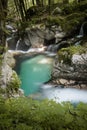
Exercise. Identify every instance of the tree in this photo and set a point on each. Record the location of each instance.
(38, 2)
(65, 1)
(3, 14)
(33, 2)
(20, 7)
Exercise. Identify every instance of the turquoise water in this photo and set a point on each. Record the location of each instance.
(35, 71)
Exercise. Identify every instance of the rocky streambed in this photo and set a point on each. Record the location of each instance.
(70, 70)
(70, 61)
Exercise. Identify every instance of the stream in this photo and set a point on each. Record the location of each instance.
(35, 71)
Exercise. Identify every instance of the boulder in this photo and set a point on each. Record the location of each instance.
(57, 10)
(36, 37)
(70, 70)
(18, 42)
(9, 81)
(49, 37)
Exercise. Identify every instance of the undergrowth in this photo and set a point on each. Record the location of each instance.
(27, 114)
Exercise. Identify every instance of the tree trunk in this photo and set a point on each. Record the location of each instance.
(44, 2)
(33, 2)
(3, 14)
(49, 3)
(38, 2)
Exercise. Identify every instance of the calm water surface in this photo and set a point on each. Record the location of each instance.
(35, 71)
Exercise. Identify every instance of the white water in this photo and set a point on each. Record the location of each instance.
(58, 94)
(17, 45)
(29, 51)
(81, 33)
(64, 94)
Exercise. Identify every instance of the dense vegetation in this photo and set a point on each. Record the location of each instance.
(24, 113)
(65, 54)
(27, 114)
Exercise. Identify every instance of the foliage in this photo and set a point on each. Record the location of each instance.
(73, 21)
(51, 20)
(73, 16)
(65, 54)
(72, 7)
(28, 114)
(14, 83)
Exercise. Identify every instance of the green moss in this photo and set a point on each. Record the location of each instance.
(72, 7)
(69, 8)
(72, 21)
(75, 49)
(52, 20)
(14, 83)
(2, 91)
(65, 54)
(75, 15)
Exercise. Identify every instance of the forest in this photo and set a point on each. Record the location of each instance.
(43, 64)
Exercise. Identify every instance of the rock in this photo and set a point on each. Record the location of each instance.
(9, 81)
(9, 59)
(59, 36)
(71, 75)
(36, 37)
(23, 44)
(49, 37)
(63, 81)
(11, 41)
(21, 92)
(57, 10)
(79, 59)
(83, 86)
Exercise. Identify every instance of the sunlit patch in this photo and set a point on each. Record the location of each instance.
(35, 69)
(45, 61)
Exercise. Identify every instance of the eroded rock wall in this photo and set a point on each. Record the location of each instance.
(9, 81)
(70, 71)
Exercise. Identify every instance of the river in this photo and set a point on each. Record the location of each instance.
(35, 71)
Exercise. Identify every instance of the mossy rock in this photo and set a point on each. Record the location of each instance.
(2, 91)
(65, 54)
(14, 83)
(73, 22)
(69, 8)
(75, 15)
(72, 7)
(52, 20)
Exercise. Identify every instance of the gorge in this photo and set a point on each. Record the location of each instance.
(43, 60)
(35, 73)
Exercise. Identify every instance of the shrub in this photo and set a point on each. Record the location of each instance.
(27, 114)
